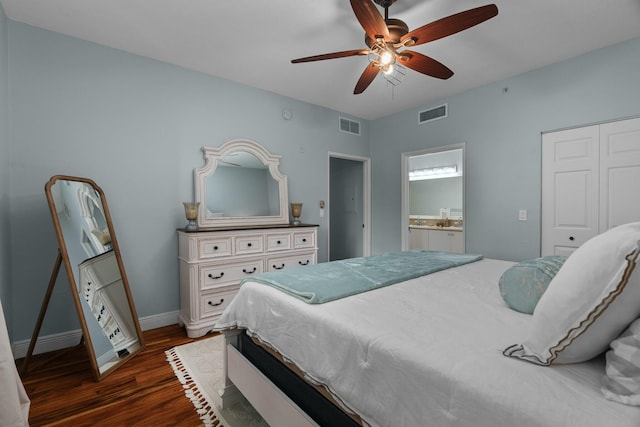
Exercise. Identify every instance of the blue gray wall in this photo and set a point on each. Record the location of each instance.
(5, 249)
(501, 124)
(136, 127)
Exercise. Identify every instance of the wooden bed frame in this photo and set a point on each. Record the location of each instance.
(276, 389)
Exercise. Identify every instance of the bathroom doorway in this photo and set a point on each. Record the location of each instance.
(433, 199)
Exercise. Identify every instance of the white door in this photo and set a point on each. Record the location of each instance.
(590, 181)
(569, 189)
(439, 241)
(418, 238)
(448, 241)
(457, 242)
(619, 173)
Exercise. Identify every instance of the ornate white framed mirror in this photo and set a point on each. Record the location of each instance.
(240, 184)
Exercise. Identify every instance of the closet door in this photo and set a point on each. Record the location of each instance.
(619, 173)
(569, 189)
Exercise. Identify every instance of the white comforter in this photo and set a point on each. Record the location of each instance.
(428, 352)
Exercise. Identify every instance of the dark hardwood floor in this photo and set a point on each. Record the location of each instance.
(142, 392)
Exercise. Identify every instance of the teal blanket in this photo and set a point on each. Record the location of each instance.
(316, 284)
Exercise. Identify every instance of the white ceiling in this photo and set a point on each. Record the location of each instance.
(253, 41)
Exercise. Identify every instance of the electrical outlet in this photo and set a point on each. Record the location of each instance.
(522, 215)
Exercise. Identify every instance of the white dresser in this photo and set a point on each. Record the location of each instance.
(213, 261)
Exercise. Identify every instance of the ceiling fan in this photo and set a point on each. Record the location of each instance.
(388, 39)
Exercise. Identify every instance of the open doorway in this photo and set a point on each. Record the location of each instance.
(433, 199)
(349, 206)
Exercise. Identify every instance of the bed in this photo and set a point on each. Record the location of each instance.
(428, 351)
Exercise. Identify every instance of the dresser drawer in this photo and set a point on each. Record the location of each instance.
(214, 303)
(215, 275)
(278, 242)
(299, 260)
(249, 245)
(215, 247)
(303, 240)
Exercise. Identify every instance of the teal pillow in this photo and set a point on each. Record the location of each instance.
(522, 285)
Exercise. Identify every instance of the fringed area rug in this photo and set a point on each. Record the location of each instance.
(198, 367)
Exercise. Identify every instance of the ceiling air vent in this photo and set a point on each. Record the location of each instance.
(436, 113)
(349, 126)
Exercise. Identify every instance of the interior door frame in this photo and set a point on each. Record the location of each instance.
(404, 157)
(366, 200)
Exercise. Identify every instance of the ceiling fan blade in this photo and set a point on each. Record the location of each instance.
(424, 64)
(366, 78)
(343, 54)
(451, 24)
(370, 19)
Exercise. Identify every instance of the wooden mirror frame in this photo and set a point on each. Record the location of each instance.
(212, 156)
(64, 255)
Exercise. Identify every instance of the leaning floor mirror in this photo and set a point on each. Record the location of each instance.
(91, 256)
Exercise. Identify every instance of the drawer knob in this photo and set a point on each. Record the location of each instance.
(303, 263)
(215, 248)
(278, 242)
(249, 244)
(214, 304)
(278, 268)
(304, 240)
(211, 276)
(245, 271)
(571, 238)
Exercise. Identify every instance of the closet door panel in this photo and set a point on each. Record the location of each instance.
(619, 173)
(569, 189)
(621, 203)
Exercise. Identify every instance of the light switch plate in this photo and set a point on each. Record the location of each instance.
(522, 215)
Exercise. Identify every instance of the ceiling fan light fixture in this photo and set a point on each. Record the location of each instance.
(383, 57)
(395, 74)
(386, 58)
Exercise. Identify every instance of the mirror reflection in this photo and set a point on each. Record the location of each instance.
(436, 185)
(95, 272)
(257, 194)
(240, 184)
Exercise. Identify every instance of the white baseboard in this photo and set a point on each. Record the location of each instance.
(48, 343)
(69, 339)
(159, 320)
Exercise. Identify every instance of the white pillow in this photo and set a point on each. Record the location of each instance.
(592, 299)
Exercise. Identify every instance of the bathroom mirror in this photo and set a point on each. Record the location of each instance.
(89, 250)
(240, 184)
